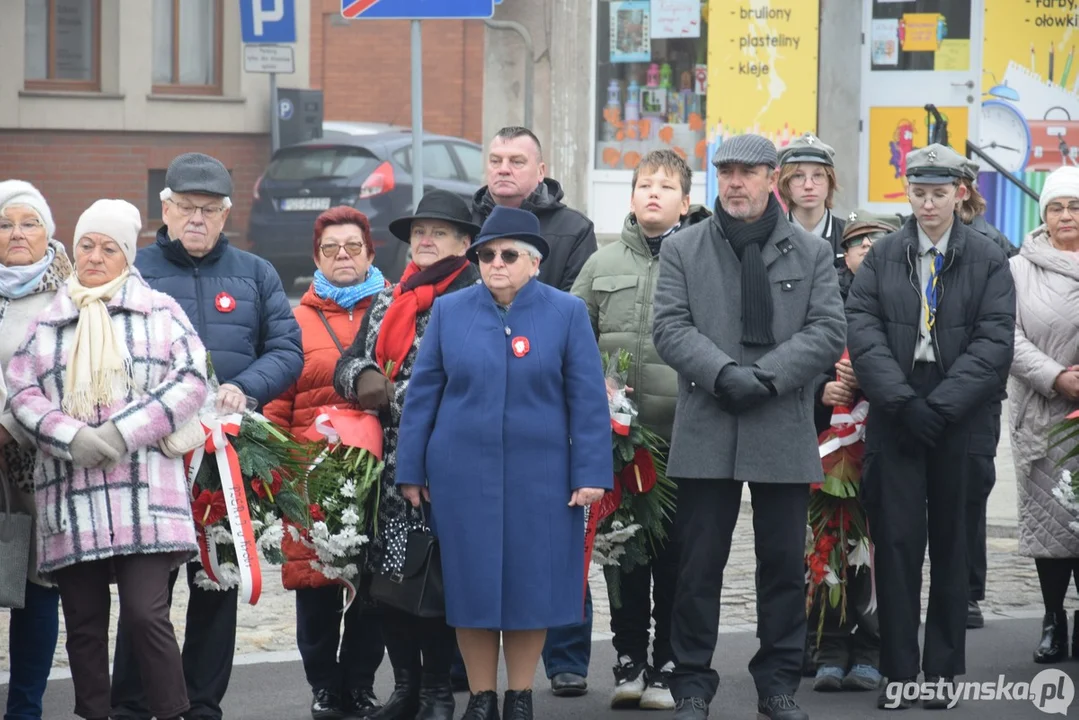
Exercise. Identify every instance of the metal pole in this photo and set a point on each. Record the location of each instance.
(530, 63)
(417, 114)
(275, 110)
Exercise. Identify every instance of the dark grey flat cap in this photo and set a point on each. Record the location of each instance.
(935, 164)
(746, 150)
(198, 173)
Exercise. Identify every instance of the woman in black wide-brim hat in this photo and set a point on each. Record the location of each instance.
(374, 374)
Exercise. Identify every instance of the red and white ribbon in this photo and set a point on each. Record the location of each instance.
(218, 429)
(620, 422)
(849, 426)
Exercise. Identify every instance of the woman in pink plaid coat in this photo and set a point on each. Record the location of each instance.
(109, 370)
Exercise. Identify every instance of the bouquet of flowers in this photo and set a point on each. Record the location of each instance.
(342, 492)
(1067, 488)
(627, 524)
(243, 484)
(837, 534)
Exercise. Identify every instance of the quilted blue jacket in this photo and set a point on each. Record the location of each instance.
(237, 305)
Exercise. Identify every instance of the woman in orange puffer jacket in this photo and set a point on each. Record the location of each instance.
(330, 314)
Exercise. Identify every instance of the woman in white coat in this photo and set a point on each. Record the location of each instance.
(1043, 389)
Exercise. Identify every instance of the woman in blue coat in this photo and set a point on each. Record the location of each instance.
(506, 432)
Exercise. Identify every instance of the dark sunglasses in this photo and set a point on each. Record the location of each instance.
(353, 249)
(488, 256)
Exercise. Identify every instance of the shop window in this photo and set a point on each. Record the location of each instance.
(62, 47)
(650, 81)
(187, 47)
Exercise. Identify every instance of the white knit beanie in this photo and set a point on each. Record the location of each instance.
(118, 219)
(1062, 182)
(20, 192)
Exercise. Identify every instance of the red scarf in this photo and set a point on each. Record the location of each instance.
(415, 293)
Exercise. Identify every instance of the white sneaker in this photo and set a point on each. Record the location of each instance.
(657, 695)
(629, 683)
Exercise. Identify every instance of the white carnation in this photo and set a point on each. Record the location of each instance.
(348, 489)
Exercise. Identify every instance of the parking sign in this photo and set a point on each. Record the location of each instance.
(268, 21)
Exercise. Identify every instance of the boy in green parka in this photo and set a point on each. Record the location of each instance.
(618, 283)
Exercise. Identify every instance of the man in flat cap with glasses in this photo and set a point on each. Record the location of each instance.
(748, 313)
(931, 332)
(239, 309)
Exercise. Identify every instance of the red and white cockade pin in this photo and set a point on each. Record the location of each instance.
(224, 302)
(520, 346)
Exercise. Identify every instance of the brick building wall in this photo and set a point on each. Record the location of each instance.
(363, 70)
(72, 169)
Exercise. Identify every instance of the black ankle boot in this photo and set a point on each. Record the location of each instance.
(482, 706)
(1053, 647)
(436, 698)
(404, 702)
(517, 705)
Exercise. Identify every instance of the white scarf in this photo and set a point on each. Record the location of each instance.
(99, 367)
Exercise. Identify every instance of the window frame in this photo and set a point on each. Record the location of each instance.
(49, 82)
(176, 87)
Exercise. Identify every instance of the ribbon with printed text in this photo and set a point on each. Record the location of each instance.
(218, 429)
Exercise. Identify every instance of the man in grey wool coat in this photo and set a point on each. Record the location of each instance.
(748, 312)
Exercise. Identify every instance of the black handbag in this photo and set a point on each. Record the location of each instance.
(417, 589)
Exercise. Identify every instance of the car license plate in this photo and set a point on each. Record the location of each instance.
(308, 203)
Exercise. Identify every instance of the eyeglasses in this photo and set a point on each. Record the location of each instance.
(487, 256)
(935, 200)
(353, 249)
(27, 228)
(814, 179)
(209, 212)
(1054, 209)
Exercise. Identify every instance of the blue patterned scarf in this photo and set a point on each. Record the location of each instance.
(347, 297)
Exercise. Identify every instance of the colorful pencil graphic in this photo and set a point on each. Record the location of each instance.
(1067, 68)
(1050, 63)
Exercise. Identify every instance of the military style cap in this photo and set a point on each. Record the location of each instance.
(198, 173)
(935, 164)
(971, 168)
(807, 148)
(862, 223)
(746, 150)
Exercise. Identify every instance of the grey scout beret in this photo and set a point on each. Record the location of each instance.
(807, 148)
(198, 173)
(746, 150)
(935, 164)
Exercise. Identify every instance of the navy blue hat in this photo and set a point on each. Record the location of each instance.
(505, 223)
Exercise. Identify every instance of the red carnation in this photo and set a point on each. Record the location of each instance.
(316, 513)
(639, 476)
(208, 508)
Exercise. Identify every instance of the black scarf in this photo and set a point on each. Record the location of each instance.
(747, 239)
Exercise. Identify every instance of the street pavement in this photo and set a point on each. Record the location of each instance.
(277, 691)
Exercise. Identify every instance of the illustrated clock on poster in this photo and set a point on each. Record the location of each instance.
(1004, 135)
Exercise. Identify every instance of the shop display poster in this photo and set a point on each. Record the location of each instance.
(676, 19)
(762, 68)
(894, 132)
(885, 38)
(630, 31)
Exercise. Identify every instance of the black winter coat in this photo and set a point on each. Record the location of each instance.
(570, 234)
(973, 336)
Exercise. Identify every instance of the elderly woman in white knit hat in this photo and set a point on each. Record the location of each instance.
(33, 266)
(1043, 388)
(110, 370)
